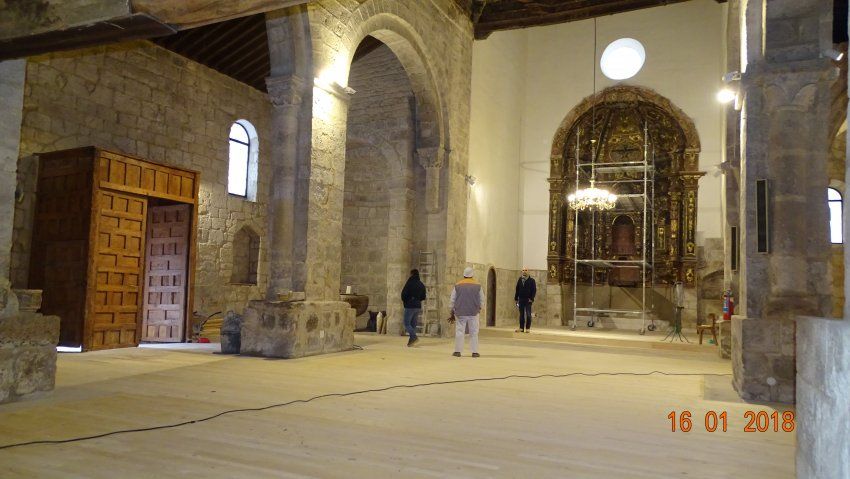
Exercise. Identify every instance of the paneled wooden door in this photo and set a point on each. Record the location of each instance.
(164, 304)
(119, 247)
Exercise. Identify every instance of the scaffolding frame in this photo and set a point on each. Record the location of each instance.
(625, 203)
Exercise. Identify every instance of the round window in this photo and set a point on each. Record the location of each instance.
(622, 59)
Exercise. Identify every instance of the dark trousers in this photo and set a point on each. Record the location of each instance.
(525, 315)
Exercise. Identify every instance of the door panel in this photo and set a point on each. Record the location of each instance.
(164, 310)
(117, 269)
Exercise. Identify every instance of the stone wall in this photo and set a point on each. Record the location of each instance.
(378, 240)
(823, 398)
(140, 99)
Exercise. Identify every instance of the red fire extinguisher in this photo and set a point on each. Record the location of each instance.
(728, 305)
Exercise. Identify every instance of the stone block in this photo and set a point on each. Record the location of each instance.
(296, 329)
(27, 354)
(29, 328)
(823, 407)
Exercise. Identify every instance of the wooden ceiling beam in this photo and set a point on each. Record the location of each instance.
(512, 15)
(195, 13)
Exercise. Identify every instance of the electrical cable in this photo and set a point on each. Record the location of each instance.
(340, 395)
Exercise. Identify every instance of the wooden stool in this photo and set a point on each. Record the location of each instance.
(702, 328)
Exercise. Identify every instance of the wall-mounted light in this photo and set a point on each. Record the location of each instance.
(470, 180)
(833, 54)
(731, 76)
(726, 95)
(333, 87)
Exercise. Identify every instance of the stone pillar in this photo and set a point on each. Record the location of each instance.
(784, 139)
(431, 158)
(27, 339)
(285, 94)
(320, 268)
(11, 103)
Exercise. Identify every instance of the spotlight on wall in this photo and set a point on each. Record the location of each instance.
(726, 95)
(833, 54)
(470, 180)
(731, 76)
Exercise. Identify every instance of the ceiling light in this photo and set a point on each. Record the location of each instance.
(622, 59)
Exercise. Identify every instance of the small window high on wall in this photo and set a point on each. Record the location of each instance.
(836, 226)
(243, 160)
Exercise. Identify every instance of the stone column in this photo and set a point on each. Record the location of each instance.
(11, 103)
(319, 205)
(27, 339)
(784, 139)
(285, 94)
(431, 158)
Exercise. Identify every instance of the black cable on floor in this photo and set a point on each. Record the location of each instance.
(339, 395)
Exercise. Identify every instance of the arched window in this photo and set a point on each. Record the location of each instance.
(836, 226)
(242, 168)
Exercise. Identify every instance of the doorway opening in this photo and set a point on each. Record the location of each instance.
(491, 297)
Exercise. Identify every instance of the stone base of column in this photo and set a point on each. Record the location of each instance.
(724, 335)
(763, 349)
(27, 354)
(823, 381)
(279, 329)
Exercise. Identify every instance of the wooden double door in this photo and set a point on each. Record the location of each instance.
(135, 272)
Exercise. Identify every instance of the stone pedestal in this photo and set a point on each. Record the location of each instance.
(724, 335)
(27, 354)
(823, 398)
(278, 329)
(763, 349)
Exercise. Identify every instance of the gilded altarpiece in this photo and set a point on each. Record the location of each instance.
(616, 124)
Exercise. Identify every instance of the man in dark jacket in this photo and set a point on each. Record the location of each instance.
(526, 290)
(412, 296)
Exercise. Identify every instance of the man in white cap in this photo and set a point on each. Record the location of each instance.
(467, 300)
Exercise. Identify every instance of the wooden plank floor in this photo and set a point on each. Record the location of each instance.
(577, 427)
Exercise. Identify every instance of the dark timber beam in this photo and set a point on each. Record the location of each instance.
(494, 15)
(32, 27)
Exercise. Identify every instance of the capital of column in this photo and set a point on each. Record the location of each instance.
(430, 157)
(285, 90)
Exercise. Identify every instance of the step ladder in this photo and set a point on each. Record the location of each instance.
(429, 321)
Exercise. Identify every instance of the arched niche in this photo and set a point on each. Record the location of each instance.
(246, 256)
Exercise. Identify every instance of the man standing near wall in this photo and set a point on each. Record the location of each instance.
(466, 302)
(412, 296)
(526, 290)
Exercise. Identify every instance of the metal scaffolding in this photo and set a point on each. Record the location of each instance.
(628, 202)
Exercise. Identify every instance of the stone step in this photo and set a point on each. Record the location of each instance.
(622, 322)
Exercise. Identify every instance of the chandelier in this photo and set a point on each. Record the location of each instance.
(592, 198)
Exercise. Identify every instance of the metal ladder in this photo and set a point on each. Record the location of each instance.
(429, 323)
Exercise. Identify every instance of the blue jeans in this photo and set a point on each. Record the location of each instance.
(524, 314)
(410, 315)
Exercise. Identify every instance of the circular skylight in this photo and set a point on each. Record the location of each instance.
(622, 59)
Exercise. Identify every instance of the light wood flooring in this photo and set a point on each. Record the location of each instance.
(608, 427)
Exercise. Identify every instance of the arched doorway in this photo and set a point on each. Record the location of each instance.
(491, 297)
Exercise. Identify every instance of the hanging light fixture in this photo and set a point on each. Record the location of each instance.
(592, 198)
